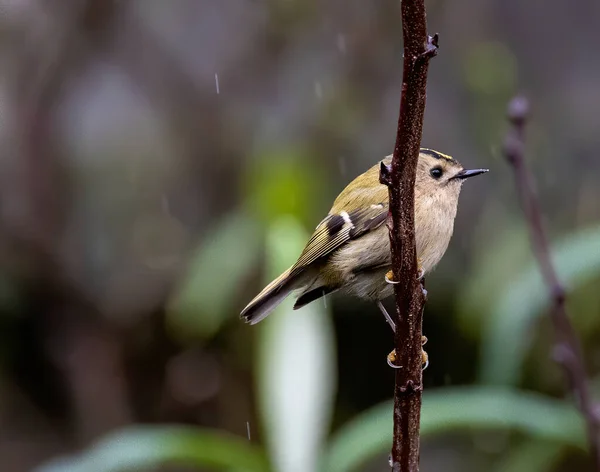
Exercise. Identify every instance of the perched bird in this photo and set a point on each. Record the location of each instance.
(350, 248)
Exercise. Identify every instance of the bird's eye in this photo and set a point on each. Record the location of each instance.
(436, 172)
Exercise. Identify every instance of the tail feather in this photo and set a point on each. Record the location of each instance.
(311, 295)
(268, 299)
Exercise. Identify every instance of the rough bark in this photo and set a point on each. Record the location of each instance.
(410, 294)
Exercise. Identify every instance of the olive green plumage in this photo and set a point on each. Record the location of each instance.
(350, 250)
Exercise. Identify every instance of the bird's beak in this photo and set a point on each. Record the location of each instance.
(466, 173)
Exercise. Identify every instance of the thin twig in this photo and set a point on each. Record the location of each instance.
(567, 349)
(400, 178)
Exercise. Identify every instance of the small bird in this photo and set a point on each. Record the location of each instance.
(350, 248)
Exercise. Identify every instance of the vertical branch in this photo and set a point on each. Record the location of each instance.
(400, 178)
(567, 349)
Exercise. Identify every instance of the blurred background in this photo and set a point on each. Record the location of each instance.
(162, 160)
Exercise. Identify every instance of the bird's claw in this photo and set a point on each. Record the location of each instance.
(424, 355)
(424, 359)
(420, 271)
(392, 357)
(389, 278)
(391, 360)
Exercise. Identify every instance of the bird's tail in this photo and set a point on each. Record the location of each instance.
(271, 296)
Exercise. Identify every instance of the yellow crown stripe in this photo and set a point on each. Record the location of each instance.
(437, 154)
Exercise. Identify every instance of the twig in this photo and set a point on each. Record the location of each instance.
(567, 349)
(400, 178)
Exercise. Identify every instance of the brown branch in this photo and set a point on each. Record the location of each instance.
(400, 178)
(567, 348)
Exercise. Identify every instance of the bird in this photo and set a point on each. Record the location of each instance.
(349, 250)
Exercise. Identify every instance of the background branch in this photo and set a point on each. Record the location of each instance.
(567, 349)
(400, 178)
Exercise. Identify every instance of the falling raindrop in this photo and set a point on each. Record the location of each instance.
(248, 429)
(324, 299)
(341, 43)
(318, 90)
(164, 201)
(342, 165)
(217, 82)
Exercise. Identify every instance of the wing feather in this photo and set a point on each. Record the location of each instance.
(323, 242)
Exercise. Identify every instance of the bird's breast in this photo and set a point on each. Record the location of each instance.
(434, 224)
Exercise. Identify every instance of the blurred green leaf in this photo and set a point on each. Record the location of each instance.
(506, 336)
(584, 306)
(454, 409)
(283, 182)
(139, 448)
(491, 270)
(224, 258)
(490, 68)
(296, 365)
(490, 75)
(531, 456)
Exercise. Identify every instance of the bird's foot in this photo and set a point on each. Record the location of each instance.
(389, 278)
(420, 271)
(392, 358)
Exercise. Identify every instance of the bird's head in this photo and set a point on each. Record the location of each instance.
(441, 176)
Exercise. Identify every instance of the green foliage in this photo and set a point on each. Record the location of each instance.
(525, 298)
(203, 301)
(489, 274)
(141, 448)
(297, 379)
(296, 366)
(282, 183)
(533, 454)
(490, 69)
(471, 410)
(451, 410)
(115, 163)
(490, 75)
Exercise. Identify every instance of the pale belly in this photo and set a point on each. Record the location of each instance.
(370, 285)
(361, 267)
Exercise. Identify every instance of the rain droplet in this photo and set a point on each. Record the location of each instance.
(217, 82)
(341, 43)
(248, 429)
(342, 164)
(318, 90)
(164, 203)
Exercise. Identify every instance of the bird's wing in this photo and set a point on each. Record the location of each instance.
(337, 229)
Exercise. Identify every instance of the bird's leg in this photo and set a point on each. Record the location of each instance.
(389, 276)
(392, 358)
(388, 318)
